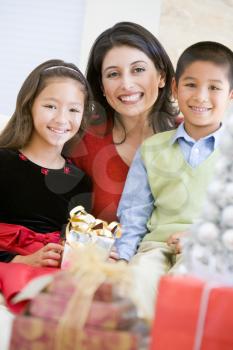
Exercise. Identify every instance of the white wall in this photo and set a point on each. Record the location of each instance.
(102, 14)
(31, 32)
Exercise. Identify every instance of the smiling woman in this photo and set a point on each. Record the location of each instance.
(38, 183)
(130, 74)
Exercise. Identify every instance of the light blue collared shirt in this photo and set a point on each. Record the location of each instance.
(137, 202)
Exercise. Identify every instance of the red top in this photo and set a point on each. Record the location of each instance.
(96, 154)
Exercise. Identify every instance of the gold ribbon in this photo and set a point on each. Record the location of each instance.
(83, 223)
(90, 270)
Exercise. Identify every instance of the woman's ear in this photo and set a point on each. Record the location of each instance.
(231, 95)
(162, 81)
(102, 89)
(174, 88)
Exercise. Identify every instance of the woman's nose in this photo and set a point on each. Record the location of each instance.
(127, 81)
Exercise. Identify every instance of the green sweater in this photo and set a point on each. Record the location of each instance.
(178, 189)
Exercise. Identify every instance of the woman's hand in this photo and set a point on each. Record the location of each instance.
(174, 241)
(49, 255)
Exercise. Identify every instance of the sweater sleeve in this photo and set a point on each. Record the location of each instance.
(135, 209)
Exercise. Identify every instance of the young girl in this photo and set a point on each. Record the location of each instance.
(38, 183)
(130, 74)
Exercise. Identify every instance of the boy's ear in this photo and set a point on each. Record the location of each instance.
(231, 95)
(174, 88)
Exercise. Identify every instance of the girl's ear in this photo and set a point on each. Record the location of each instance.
(174, 88)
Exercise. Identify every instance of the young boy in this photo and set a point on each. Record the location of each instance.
(167, 181)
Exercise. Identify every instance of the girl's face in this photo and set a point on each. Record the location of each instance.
(57, 112)
(130, 81)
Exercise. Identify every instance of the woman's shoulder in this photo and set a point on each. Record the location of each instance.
(95, 138)
(99, 130)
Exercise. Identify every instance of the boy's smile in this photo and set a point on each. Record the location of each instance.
(203, 93)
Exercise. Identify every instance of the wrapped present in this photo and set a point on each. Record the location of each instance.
(113, 315)
(65, 283)
(34, 333)
(83, 229)
(192, 314)
(72, 312)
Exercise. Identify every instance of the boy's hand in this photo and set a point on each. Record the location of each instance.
(113, 256)
(174, 241)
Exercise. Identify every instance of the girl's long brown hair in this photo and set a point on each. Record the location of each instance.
(18, 130)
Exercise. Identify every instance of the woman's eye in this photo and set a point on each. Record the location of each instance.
(139, 69)
(112, 74)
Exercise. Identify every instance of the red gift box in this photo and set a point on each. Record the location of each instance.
(190, 314)
(62, 314)
(120, 314)
(32, 333)
(65, 284)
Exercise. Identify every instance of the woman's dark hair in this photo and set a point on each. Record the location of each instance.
(18, 130)
(131, 34)
(206, 51)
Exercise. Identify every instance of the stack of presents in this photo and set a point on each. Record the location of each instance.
(193, 309)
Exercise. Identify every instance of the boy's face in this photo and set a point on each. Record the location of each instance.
(203, 94)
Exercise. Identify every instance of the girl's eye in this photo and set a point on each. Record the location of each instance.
(139, 69)
(192, 85)
(74, 110)
(50, 106)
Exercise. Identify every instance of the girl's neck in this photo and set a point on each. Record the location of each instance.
(43, 156)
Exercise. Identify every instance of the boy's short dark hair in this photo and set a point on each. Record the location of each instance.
(206, 51)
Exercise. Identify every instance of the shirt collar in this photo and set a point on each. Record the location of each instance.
(182, 134)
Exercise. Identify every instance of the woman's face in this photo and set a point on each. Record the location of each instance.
(130, 81)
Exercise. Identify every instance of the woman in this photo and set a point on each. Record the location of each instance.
(130, 74)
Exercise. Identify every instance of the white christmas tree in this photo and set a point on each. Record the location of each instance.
(208, 250)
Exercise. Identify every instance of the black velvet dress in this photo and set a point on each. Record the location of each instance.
(39, 198)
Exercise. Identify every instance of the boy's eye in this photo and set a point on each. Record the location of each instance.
(213, 87)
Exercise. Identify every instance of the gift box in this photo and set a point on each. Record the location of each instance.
(36, 333)
(82, 309)
(65, 284)
(192, 314)
(112, 315)
(84, 229)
